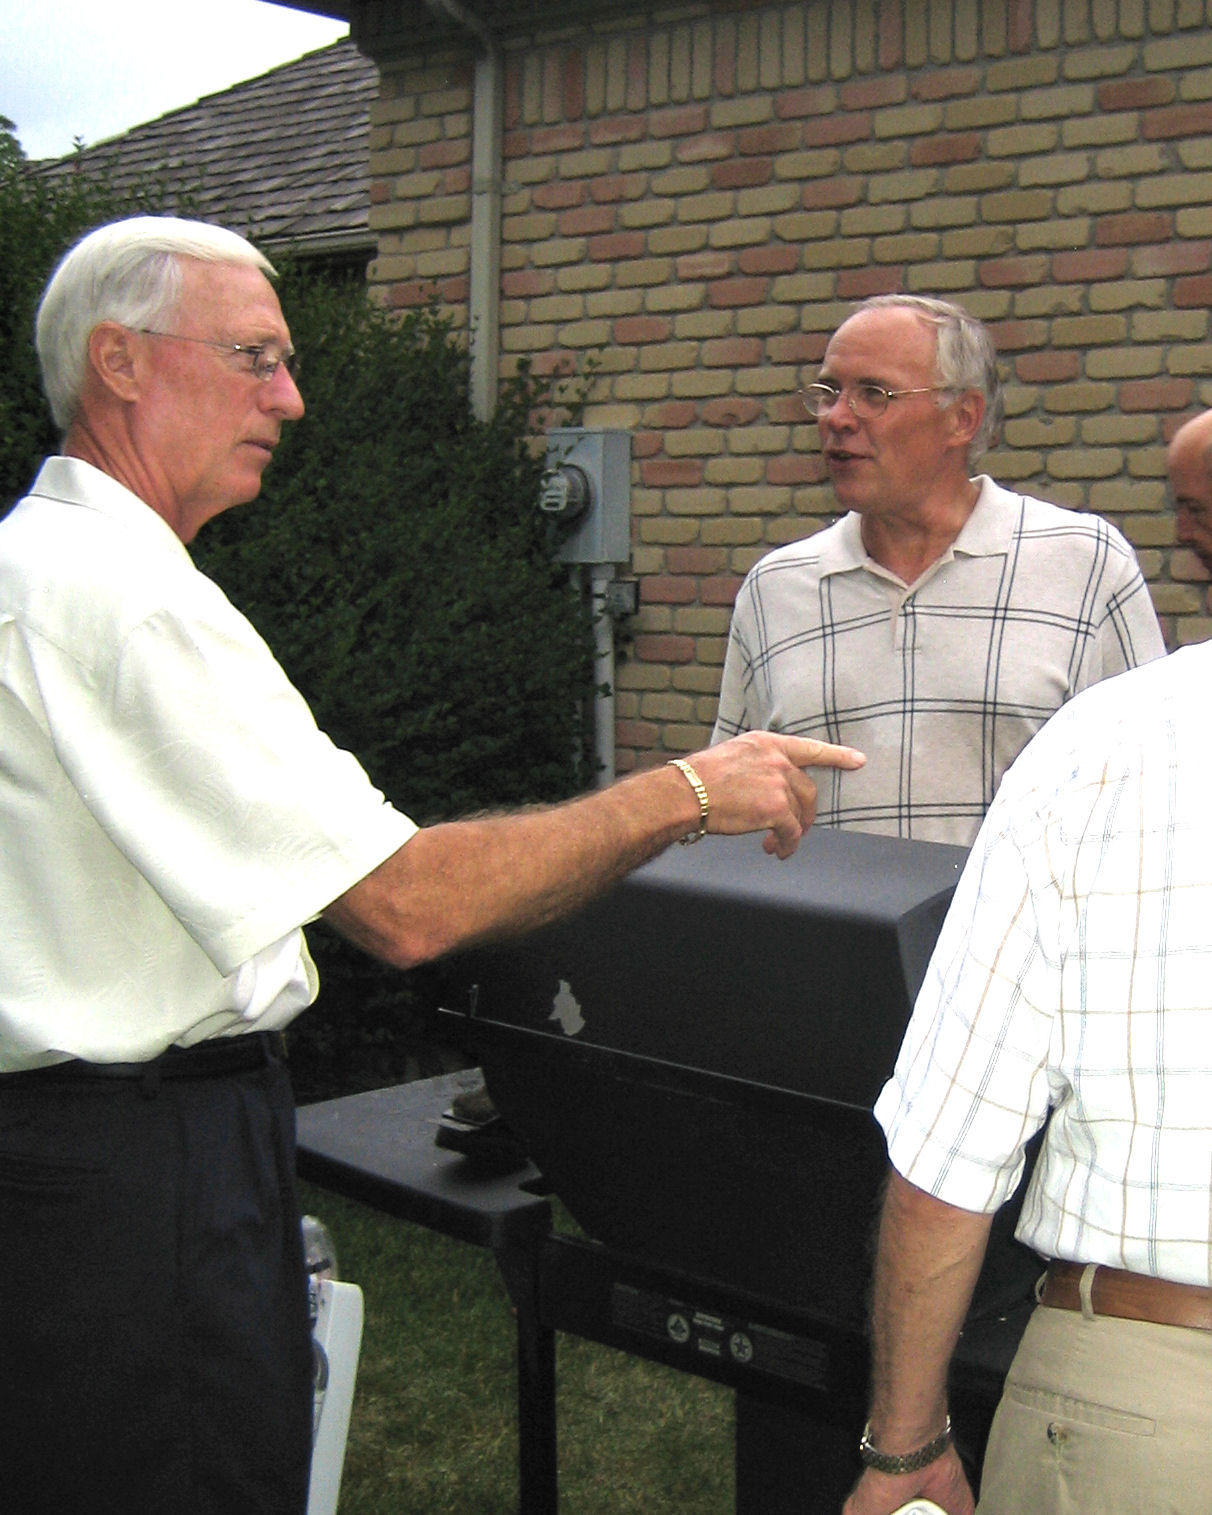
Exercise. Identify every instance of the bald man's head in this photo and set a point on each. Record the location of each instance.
(1189, 462)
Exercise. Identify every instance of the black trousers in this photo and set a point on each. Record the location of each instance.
(154, 1344)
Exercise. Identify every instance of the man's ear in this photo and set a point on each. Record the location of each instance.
(966, 414)
(112, 359)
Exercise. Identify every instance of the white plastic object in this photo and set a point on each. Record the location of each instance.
(338, 1335)
(920, 1507)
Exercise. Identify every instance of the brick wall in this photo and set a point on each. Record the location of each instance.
(697, 195)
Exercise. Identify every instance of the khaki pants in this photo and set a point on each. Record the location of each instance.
(1102, 1417)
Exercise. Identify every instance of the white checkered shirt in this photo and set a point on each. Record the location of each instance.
(1073, 975)
(941, 683)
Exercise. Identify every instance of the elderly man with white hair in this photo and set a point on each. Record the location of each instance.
(170, 817)
(943, 619)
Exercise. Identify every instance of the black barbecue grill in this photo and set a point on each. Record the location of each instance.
(691, 1063)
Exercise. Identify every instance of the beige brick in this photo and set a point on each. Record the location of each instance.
(674, 240)
(643, 272)
(1055, 236)
(583, 276)
(1012, 466)
(766, 381)
(1196, 84)
(910, 248)
(1099, 130)
(911, 184)
(703, 621)
(696, 502)
(556, 308)
(1174, 189)
(872, 220)
(703, 325)
(1193, 629)
(589, 163)
(742, 112)
(640, 215)
(713, 206)
(819, 163)
(1189, 50)
(667, 707)
(613, 303)
(701, 383)
(979, 112)
(1017, 205)
(731, 531)
(765, 320)
(1086, 331)
(1176, 599)
(903, 121)
(753, 231)
(942, 278)
(978, 178)
(1097, 198)
(802, 289)
(695, 679)
(1191, 360)
(760, 500)
(393, 164)
(694, 442)
(1020, 74)
(1121, 497)
(557, 251)
(806, 226)
(1169, 325)
(1033, 431)
(875, 157)
(1131, 162)
(732, 472)
(1067, 398)
(1148, 531)
(988, 304)
(670, 533)
(1194, 222)
(392, 217)
(1123, 294)
(526, 339)
(769, 200)
(1106, 61)
(632, 675)
(1148, 463)
(637, 157)
(759, 439)
(1054, 168)
(851, 253)
(677, 181)
(663, 356)
(1063, 102)
(1124, 363)
(977, 242)
(1018, 141)
(585, 334)
(943, 211)
(1085, 463)
(1020, 398)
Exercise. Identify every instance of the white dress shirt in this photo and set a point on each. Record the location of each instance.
(170, 815)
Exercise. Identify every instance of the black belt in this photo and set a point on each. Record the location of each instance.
(211, 1059)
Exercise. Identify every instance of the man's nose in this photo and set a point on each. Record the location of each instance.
(281, 395)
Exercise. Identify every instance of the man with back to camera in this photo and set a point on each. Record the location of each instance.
(171, 816)
(941, 621)
(1069, 990)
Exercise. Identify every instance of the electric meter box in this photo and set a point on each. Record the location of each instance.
(587, 492)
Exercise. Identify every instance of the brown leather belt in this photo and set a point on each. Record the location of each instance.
(217, 1058)
(1127, 1296)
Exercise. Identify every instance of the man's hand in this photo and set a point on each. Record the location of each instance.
(943, 1481)
(756, 782)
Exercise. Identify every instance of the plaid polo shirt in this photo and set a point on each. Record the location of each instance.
(942, 682)
(1073, 979)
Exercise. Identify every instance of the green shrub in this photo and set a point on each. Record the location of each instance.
(399, 568)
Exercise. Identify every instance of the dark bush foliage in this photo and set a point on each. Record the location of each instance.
(397, 565)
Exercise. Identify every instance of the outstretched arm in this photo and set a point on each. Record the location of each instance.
(930, 1254)
(469, 881)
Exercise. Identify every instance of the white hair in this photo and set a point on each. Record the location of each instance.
(128, 272)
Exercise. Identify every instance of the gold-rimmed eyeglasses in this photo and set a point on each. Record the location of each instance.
(264, 358)
(866, 400)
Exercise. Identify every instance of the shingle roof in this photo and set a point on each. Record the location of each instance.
(282, 158)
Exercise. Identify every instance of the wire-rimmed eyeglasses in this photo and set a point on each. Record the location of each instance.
(866, 400)
(264, 359)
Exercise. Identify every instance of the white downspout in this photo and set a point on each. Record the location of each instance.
(487, 149)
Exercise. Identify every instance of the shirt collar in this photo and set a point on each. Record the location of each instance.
(986, 533)
(72, 481)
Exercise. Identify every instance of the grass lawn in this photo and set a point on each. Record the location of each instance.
(434, 1429)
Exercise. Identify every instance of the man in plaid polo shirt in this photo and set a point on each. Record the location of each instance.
(943, 619)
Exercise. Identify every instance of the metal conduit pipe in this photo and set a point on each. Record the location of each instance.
(488, 113)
